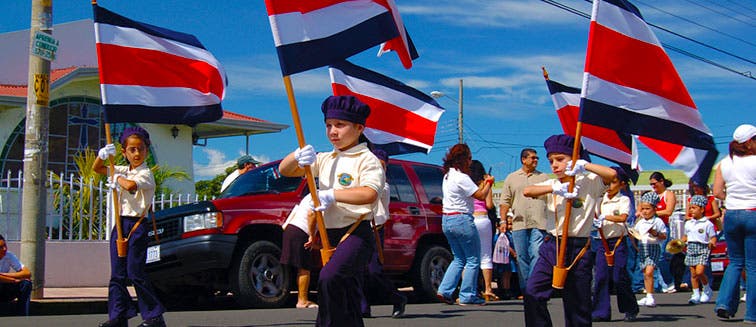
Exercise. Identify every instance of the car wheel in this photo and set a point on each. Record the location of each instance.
(430, 271)
(260, 280)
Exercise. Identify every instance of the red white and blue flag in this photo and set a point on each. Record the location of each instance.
(315, 33)
(401, 44)
(631, 86)
(155, 75)
(600, 141)
(402, 119)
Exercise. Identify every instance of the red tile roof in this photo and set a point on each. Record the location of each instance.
(20, 90)
(235, 116)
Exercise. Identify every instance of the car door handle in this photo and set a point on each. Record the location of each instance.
(414, 210)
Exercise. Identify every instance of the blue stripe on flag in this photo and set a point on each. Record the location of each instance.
(298, 57)
(556, 87)
(398, 148)
(104, 16)
(627, 6)
(373, 77)
(162, 115)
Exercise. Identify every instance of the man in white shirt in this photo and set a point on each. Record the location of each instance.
(244, 164)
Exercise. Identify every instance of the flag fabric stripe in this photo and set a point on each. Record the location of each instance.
(157, 69)
(610, 62)
(401, 44)
(311, 34)
(613, 17)
(402, 119)
(155, 75)
(641, 103)
(668, 151)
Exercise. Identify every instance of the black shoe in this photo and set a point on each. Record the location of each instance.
(153, 322)
(598, 319)
(630, 317)
(118, 322)
(723, 314)
(399, 308)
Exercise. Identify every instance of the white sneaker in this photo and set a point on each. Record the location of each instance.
(743, 299)
(647, 301)
(706, 295)
(695, 298)
(669, 290)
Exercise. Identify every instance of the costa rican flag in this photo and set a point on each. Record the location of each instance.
(631, 86)
(314, 33)
(401, 44)
(599, 141)
(402, 119)
(155, 75)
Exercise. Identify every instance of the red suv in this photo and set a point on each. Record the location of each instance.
(233, 243)
(719, 259)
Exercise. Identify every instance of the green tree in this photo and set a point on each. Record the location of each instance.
(211, 187)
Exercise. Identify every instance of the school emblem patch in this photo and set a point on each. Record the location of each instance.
(700, 231)
(345, 179)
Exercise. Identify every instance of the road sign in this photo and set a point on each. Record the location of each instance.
(44, 46)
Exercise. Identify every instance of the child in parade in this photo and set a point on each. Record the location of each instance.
(700, 237)
(295, 249)
(135, 186)
(504, 260)
(350, 182)
(591, 181)
(613, 214)
(651, 230)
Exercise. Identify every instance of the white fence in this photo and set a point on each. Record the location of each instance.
(76, 210)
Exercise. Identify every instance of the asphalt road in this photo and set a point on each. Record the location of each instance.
(671, 310)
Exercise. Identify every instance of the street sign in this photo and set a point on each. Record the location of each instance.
(44, 46)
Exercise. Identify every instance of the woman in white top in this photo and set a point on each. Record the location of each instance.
(735, 183)
(459, 229)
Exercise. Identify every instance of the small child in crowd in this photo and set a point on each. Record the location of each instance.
(700, 237)
(651, 230)
(503, 260)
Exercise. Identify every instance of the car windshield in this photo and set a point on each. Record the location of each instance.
(262, 180)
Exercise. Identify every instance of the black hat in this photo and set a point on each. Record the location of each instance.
(345, 107)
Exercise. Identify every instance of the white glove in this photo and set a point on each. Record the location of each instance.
(305, 156)
(598, 222)
(578, 169)
(561, 189)
(113, 183)
(326, 198)
(106, 151)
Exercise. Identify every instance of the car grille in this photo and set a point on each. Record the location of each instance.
(718, 255)
(167, 231)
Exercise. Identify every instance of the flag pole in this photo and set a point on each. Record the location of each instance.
(327, 250)
(121, 245)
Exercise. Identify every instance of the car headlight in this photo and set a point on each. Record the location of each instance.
(203, 221)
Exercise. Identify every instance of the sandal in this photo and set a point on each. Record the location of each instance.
(308, 305)
(490, 297)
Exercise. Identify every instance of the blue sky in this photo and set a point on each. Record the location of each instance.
(495, 47)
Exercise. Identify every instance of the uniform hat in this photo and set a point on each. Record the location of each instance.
(245, 159)
(650, 198)
(621, 174)
(345, 107)
(699, 200)
(744, 133)
(138, 131)
(380, 154)
(563, 143)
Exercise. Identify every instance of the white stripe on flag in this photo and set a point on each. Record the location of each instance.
(563, 99)
(641, 102)
(689, 160)
(156, 96)
(297, 27)
(616, 18)
(602, 149)
(382, 137)
(388, 95)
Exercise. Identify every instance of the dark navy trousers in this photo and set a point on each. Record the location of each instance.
(339, 289)
(131, 268)
(20, 291)
(375, 279)
(618, 274)
(576, 295)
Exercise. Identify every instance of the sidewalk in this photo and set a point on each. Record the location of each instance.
(75, 300)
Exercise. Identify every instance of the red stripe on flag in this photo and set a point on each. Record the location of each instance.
(568, 117)
(626, 61)
(668, 151)
(277, 7)
(392, 119)
(157, 69)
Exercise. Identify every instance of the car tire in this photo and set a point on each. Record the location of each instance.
(429, 271)
(260, 280)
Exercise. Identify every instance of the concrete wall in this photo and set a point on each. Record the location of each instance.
(74, 264)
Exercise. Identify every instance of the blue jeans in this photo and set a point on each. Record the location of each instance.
(464, 241)
(527, 242)
(740, 232)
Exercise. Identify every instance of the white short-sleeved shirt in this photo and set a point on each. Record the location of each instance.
(10, 261)
(584, 206)
(298, 216)
(615, 206)
(134, 204)
(458, 189)
(644, 225)
(382, 209)
(699, 230)
(739, 174)
(229, 179)
(340, 170)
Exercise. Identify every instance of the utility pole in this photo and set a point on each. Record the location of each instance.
(459, 117)
(34, 197)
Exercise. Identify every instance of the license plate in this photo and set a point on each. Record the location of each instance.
(153, 254)
(717, 266)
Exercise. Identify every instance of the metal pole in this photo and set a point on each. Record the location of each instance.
(34, 207)
(459, 117)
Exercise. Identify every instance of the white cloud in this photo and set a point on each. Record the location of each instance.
(217, 163)
(493, 14)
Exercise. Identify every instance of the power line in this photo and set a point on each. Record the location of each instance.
(742, 6)
(717, 4)
(721, 13)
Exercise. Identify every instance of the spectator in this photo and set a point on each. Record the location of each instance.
(295, 249)
(735, 183)
(244, 164)
(485, 229)
(15, 282)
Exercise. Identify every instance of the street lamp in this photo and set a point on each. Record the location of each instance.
(438, 94)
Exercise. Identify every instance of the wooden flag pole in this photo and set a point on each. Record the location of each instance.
(327, 250)
(121, 244)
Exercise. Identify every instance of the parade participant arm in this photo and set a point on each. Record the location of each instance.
(556, 187)
(607, 174)
(712, 242)
(484, 188)
(103, 154)
(290, 167)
